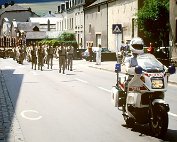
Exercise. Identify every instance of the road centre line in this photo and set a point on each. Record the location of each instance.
(105, 89)
(172, 114)
(81, 80)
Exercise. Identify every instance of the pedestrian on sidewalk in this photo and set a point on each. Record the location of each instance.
(98, 55)
(90, 52)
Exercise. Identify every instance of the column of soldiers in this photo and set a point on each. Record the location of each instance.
(40, 54)
(19, 54)
(66, 54)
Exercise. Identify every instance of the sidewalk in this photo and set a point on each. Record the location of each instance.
(110, 66)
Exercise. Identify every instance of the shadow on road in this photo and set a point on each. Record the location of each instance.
(10, 85)
(145, 131)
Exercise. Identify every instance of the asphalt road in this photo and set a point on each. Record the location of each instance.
(74, 107)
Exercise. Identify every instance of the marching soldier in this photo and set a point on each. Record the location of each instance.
(66, 60)
(70, 57)
(41, 55)
(21, 55)
(62, 58)
(34, 57)
(50, 57)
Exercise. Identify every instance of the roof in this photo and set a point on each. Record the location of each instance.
(26, 26)
(49, 15)
(13, 8)
(44, 20)
(97, 2)
(36, 35)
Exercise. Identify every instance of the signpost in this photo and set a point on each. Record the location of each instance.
(117, 29)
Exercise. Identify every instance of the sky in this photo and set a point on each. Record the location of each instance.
(27, 1)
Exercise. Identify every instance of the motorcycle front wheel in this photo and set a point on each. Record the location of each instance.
(159, 121)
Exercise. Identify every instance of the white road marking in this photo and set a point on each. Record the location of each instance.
(23, 114)
(81, 80)
(172, 114)
(105, 89)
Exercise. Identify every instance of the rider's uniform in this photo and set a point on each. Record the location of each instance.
(131, 62)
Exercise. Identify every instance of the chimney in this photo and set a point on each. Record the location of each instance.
(67, 5)
(6, 5)
(62, 7)
(70, 4)
(59, 9)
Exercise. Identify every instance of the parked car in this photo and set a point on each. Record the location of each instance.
(79, 53)
(106, 55)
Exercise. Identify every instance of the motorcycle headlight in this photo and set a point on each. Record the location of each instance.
(157, 83)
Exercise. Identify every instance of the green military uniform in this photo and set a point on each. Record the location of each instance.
(50, 57)
(34, 57)
(62, 58)
(41, 55)
(70, 58)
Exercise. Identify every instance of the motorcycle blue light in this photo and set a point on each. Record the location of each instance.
(138, 70)
(117, 67)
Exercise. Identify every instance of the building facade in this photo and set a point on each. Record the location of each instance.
(15, 12)
(102, 15)
(72, 14)
(96, 19)
(122, 12)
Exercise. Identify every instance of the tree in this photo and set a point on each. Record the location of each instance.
(153, 21)
(63, 38)
(68, 38)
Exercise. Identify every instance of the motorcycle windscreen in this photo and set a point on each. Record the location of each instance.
(149, 63)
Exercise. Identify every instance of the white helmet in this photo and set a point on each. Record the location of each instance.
(136, 45)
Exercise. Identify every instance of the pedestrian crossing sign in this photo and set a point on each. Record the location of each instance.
(116, 28)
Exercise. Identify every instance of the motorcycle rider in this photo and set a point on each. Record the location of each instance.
(136, 47)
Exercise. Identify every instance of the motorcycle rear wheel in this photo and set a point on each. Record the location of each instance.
(159, 122)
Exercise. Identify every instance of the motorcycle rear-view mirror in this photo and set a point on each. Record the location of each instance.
(171, 69)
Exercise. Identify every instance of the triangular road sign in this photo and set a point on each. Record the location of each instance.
(116, 29)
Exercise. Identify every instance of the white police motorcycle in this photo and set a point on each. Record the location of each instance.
(141, 99)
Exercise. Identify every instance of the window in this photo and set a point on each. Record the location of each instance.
(35, 28)
(90, 26)
(72, 23)
(98, 39)
(176, 31)
(99, 8)
(133, 27)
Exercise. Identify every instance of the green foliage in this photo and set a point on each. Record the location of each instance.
(67, 38)
(153, 20)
